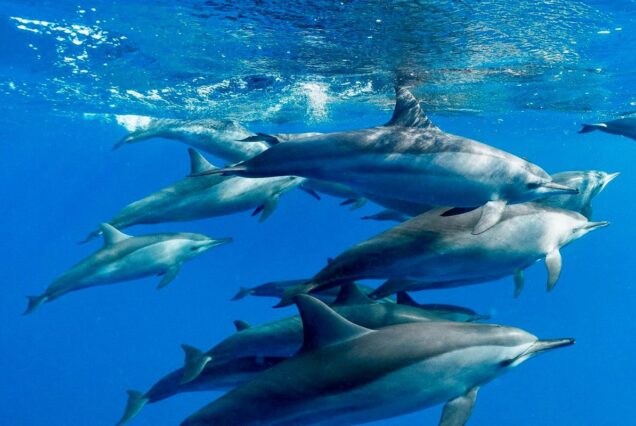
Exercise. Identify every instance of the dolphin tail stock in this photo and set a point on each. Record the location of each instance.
(587, 128)
(195, 362)
(91, 236)
(136, 401)
(34, 303)
(290, 293)
(242, 293)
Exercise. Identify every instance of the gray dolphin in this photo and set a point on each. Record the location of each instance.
(439, 250)
(621, 126)
(284, 337)
(219, 376)
(232, 142)
(124, 258)
(448, 312)
(409, 159)
(348, 374)
(589, 184)
(277, 289)
(193, 199)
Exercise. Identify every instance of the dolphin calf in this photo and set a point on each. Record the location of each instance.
(124, 258)
(622, 126)
(438, 250)
(588, 183)
(214, 377)
(409, 159)
(348, 374)
(193, 199)
(283, 338)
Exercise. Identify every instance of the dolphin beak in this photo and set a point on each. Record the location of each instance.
(547, 345)
(214, 243)
(590, 226)
(608, 178)
(557, 188)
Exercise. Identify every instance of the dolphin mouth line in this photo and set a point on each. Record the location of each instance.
(593, 225)
(610, 177)
(219, 242)
(546, 345)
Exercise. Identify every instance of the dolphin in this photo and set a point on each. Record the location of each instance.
(439, 250)
(214, 377)
(193, 199)
(124, 258)
(283, 338)
(621, 126)
(232, 142)
(448, 312)
(277, 289)
(589, 184)
(349, 374)
(410, 159)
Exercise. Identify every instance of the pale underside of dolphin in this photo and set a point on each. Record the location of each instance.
(347, 374)
(412, 160)
(195, 199)
(125, 258)
(438, 250)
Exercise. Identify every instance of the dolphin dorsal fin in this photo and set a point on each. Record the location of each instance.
(198, 163)
(403, 298)
(240, 325)
(350, 294)
(407, 111)
(112, 235)
(322, 326)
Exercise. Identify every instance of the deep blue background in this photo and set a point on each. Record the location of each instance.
(71, 361)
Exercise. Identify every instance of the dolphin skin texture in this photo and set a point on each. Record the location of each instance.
(348, 374)
(125, 258)
(409, 159)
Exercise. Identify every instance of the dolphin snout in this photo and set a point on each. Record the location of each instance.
(589, 226)
(547, 345)
(214, 243)
(608, 178)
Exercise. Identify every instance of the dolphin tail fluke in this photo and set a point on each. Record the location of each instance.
(291, 292)
(195, 362)
(242, 293)
(136, 401)
(587, 128)
(34, 303)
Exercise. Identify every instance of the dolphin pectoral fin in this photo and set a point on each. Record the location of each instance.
(587, 211)
(168, 276)
(268, 208)
(490, 215)
(241, 325)
(136, 401)
(554, 263)
(34, 303)
(457, 411)
(519, 282)
(243, 292)
(310, 192)
(355, 203)
(195, 362)
(587, 128)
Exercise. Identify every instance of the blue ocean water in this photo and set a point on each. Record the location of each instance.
(521, 76)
